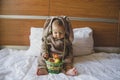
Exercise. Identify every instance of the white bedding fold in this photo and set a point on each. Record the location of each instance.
(17, 66)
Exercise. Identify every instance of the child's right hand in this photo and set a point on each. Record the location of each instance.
(45, 55)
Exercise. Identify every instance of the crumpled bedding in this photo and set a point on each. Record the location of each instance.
(15, 65)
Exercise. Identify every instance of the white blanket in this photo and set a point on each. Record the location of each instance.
(98, 66)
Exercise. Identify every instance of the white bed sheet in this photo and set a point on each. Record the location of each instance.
(14, 65)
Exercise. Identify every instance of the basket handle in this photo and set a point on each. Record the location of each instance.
(64, 51)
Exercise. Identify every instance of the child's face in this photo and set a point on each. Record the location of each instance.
(58, 32)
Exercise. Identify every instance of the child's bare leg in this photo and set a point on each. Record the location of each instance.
(42, 71)
(72, 72)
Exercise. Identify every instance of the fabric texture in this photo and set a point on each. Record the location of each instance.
(96, 66)
(83, 41)
(35, 41)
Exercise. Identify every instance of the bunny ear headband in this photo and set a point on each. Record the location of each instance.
(66, 22)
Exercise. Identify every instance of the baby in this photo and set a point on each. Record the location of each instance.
(57, 38)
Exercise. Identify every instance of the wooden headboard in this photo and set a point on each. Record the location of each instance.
(18, 16)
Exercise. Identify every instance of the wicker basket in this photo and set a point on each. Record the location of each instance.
(54, 67)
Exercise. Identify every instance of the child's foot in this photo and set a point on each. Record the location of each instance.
(72, 72)
(42, 71)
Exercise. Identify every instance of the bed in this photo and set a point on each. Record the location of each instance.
(15, 65)
(21, 64)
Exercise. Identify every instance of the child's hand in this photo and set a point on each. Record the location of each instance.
(46, 56)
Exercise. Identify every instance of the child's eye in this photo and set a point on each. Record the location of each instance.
(61, 32)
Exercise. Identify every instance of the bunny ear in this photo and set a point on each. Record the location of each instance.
(69, 28)
(46, 23)
(47, 27)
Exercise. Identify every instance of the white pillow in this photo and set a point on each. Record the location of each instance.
(82, 44)
(35, 41)
(83, 41)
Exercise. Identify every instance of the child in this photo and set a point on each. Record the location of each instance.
(57, 38)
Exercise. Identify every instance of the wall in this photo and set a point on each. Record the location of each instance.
(15, 31)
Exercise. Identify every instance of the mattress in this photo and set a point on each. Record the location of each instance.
(15, 65)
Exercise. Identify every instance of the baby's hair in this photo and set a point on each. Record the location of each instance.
(58, 22)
